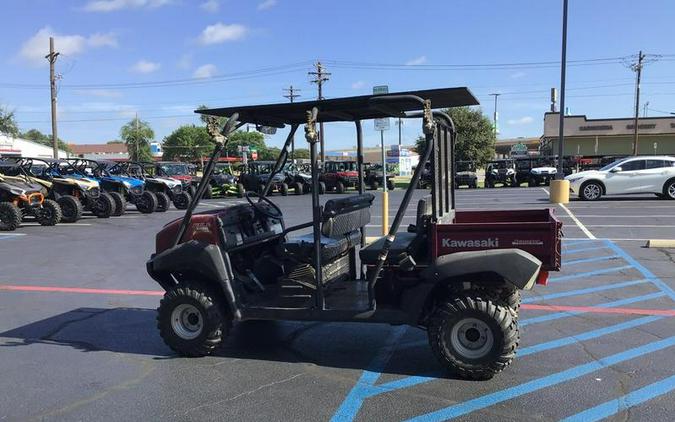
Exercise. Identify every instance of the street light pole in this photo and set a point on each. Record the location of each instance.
(563, 66)
(496, 116)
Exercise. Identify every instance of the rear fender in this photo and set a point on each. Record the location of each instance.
(193, 257)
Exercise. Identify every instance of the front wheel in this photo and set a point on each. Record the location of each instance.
(298, 188)
(590, 191)
(391, 185)
(340, 187)
(208, 192)
(473, 336)
(105, 206)
(49, 214)
(147, 203)
(240, 190)
(163, 202)
(669, 190)
(181, 200)
(10, 217)
(284, 189)
(191, 320)
(71, 208)
(120, 203)
(322, 188)
(192, 190)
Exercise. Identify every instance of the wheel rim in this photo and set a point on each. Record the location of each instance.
(472, 338)
(186, 321)
(671, 190)
(592, 191)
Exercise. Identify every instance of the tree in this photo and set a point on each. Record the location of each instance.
(8, 124)
(137, 135)
(301, 153)
(188, 142)
(43, 139)
(475, 136)
(254, 140)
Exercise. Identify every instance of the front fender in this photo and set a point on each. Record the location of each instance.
(515, 266)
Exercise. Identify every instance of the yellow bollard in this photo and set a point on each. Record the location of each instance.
(560, 192)
(385, 213)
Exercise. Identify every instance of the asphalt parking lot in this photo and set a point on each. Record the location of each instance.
(78, 338)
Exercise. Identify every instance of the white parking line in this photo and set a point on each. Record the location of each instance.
(632, 225)
(576, 220)
(11, 234)
(58, 225)
(623, 216)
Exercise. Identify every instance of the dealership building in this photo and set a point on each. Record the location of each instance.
(18, 147)
(588, 137)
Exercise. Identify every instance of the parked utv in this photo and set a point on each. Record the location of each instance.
(166, 189)
(373, 177)
(71, 189)
(500, 172)
(542, 172)
(20, 198)
(296, 179)
(255, 175)
(338, 176)
(466, 174)
(455, 274)
(179, 171)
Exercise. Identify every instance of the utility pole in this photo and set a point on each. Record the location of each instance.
(496, 117)
(399, 123)
(320, 76)
(291, 95)
(554, 99)
(637, 68)
(51, 57)
(563, 72)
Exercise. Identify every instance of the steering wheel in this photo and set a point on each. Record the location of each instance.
(262, 210)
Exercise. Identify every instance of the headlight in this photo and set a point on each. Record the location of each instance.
(177, 189)
(494, 171)
(126, 184)
(573, 179)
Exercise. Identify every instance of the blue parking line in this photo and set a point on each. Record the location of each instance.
(593, 259)
(577, 292)
(645, 272)
(589, 273)
(571, 251)
(622, 403)
(578, 242)
(558, 315)
(541, 383)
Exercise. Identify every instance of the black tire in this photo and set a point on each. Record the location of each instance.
(284, 189)
(590, 191)
(105, 206)
(322, 188)
(240, 190)
(473, 336)
(514, 183)
(10, 217)
(489, 184)
(532, 183)
(298, 189)
(391, 185)
(192, 320)
(261, 189)
(71, 208)
(340, 187)
(192, 190)
(163, 202)
(374, 185)
(120, 203)
(669, 189)
(49, 214)
(208, 192)
(181, 200)
(147, 203)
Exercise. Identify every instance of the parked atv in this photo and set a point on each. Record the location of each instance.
(255, 175)
(114, 181)
(167, 190)
(71, 189)
(542, 173)
(338, 176)
(224, 182)
(296, 179)
(19, 198)
(179, 171)
(465, 174)
(372, 177)
(500, 171)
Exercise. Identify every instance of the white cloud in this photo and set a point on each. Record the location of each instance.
(114, 5)
(267, 4)
(105, 93)
(220, 32)
(34, 49)
(416, 61)
(185, 61)
(518, 75)
(145, 66)
(211, 6)
(522, 121)
(205, 71)
(358, 85)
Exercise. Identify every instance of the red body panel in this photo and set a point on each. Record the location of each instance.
(347, 174)
(202, 227)
(182, 177)
(535, 231)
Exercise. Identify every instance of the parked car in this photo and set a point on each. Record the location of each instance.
(627, 176)
(338, 176)
(500, 171)
(465, 174)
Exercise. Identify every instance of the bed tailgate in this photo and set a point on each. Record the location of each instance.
(538, 232)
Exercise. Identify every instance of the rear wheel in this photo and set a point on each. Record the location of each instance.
(489, 183)
(322, 187)
(374, 185)
(181, 200)
(340, 187)
(192, 191)
(105, 206)
(10, 217)
(391, 185)
(208, 193)
(532, 183)
(49, 214)
(191, 320)
(120, 203)
(669, 189)
(71, 208)
(163, 201)
(284, 189)
(261, 189)
(240, 190)
(147, 203)
(298, 189)
(473, 336)
(590, 191)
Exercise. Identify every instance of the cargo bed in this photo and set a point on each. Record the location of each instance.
(538, 232)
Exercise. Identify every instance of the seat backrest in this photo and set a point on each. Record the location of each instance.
(424, 211)
(343, 216)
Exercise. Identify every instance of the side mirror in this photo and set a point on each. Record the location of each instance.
(616, 169)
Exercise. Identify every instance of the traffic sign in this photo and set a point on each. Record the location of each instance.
(381, 124)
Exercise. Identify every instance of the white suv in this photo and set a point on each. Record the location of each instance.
(653, 174)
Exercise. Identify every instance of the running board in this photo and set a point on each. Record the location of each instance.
(337, 315)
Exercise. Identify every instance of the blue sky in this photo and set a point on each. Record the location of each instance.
(111, 49)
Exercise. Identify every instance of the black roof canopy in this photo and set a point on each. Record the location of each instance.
(344, 109)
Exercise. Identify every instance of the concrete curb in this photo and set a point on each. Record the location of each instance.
(661, 243)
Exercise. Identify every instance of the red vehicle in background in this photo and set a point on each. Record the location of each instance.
(338, 176)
